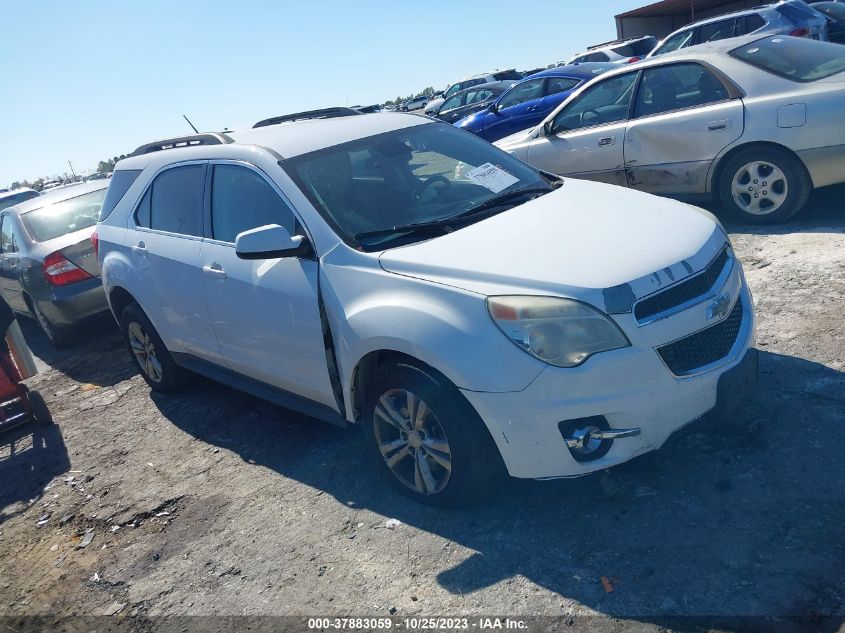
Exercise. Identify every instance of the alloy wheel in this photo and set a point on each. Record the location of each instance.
(145, 352)
(759, 188)
(412, 441)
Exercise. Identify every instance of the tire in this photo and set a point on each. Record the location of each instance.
(448, 433)
(152, 358)
(39, 408)
(59, 337)
(764, 185)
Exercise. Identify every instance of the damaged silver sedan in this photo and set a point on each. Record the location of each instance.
(754, 123)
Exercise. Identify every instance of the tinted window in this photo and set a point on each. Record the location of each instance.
(716, 31)
(794, 58)
(120, 183)
(748, 24)
(677, 41)
(176, 202)
(526, 91)
(605, 102)
(12, 200)
(597, 57)
(560, 84)
(506, 75)
(243, 200)
(64, 217)
(142, 213)
(833, 9)
(6, 236)
(639, 48)
(677, 86)
(478, 95)
(453, 102)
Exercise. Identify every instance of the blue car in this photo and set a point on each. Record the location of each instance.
(528, 102)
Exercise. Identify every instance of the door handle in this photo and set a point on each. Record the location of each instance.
(140, 247)
(215, 270)
(719, 125)
(607, 140)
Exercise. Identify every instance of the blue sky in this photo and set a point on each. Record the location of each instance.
(85, 81)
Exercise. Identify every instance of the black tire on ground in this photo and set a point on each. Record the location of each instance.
(798, 184)
(39, 408)
(476, 468)
(59, 337)
(167, 376)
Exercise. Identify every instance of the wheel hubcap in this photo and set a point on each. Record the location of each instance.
(759, 188)
(412, 441)
(145, 352)
(45, 325)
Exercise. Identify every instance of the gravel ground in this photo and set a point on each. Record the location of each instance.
(215, 503)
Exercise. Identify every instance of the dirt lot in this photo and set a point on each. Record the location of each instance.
(215, 503)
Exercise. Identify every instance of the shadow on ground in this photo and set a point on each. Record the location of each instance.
(30, 456)
(739, 517)
(90, 359)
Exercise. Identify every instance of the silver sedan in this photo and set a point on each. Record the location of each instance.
(755, 123)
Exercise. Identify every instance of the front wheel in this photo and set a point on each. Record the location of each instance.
(428, 440)
(764, 185)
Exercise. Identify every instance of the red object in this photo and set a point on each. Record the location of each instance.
(15, 407)
(95, 243)
(60, 271)
(633, 59)
(800, 32)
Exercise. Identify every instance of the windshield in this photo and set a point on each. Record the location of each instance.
(416, 175)
(795, 58)
(64, 217)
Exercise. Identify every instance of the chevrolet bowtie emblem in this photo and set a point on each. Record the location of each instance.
(719, 308)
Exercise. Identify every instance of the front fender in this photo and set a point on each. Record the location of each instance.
(449, 329)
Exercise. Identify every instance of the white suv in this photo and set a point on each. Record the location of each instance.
(475, 316)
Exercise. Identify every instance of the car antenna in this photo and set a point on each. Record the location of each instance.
(191, 124)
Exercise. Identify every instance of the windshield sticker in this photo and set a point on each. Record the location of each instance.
(491, 177)
(777, 41)
(752, 50)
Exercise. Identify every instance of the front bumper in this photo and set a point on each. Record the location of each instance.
(630, 388)
(68, 305)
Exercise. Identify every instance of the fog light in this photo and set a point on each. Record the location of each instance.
(591, 438)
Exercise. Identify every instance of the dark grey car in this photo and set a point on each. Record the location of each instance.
(470, 100)
(48, 269)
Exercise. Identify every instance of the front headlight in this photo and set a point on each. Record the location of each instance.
(561, 332)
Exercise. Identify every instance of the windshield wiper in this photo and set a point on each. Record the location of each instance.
(469, 214)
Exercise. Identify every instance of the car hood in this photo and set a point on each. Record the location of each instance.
(515, 140)
(578, 241)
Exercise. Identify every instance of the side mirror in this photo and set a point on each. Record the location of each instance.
(270, 242)
(494, 108)
(545, 129)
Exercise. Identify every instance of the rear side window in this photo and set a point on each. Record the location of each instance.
(243, 200)
(795, 58)
(560, 84)
(175, 201)
(520, 93)
(716, 31)
(677, 86)
(64, 217)
(7, 237)
(748, 24)
(119, 185)
(638, 48)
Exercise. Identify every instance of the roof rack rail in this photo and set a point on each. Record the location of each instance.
(324, 113)
(183, 141)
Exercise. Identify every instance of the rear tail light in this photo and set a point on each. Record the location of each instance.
(59, 271)
(633, 59)
(800, 32)
(95, 244)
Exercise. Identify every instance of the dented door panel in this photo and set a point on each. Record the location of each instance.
(671, 153)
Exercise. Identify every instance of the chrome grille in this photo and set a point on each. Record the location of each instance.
(683, 292)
